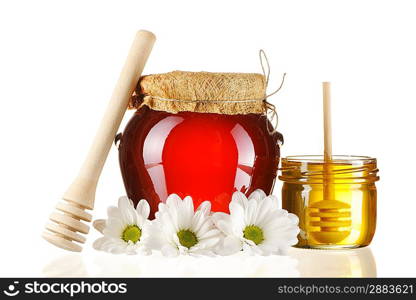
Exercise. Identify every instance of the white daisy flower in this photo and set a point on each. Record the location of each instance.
(256, 225)
(179, 229)
(126, 229)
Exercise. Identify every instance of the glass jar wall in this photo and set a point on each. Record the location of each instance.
(206, 156)
(344, 219)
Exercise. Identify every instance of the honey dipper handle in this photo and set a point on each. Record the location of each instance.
(82, 190)
(326, 88)
(327, 166)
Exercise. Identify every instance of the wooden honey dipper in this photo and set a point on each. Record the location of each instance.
(67, 219)
(333, 217)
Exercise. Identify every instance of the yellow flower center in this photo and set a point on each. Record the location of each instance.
(132, 233)
(187, 238)
(254, 233)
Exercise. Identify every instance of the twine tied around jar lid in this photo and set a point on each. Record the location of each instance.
(206, 92)
(270, 108)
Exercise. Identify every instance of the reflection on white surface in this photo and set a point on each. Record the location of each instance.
(69, 265)
(299, 263)
(231, 266)
(108, 265)
(335, 263)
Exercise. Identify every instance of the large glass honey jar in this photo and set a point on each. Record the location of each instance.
(198, 147)
(348, 218)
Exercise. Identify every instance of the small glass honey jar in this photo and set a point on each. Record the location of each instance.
(335, 201)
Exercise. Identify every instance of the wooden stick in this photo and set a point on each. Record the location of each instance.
(81, 193)
(327, 168)
(326, 88)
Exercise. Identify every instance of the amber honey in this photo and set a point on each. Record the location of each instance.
(336, 202)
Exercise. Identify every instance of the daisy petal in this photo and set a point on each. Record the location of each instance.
(143, 208)
(251, 213)
(257, 195)
(274, 201)
(264, 208)
(200, 252)
(186, 213)
(99, 225)
(198, 220)
(169, 251)
(293, 218)
(237, 210)
(223, 222)
(205, 207)
(173, 201)
(210, 234)
(239, 198)
(98, 243)
(229, 245)
(127, 211)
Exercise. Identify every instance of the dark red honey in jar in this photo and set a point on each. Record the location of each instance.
(207, 156)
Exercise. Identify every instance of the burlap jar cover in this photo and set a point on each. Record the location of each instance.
(203, 92)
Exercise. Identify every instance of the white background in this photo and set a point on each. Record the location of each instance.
(59, 61)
